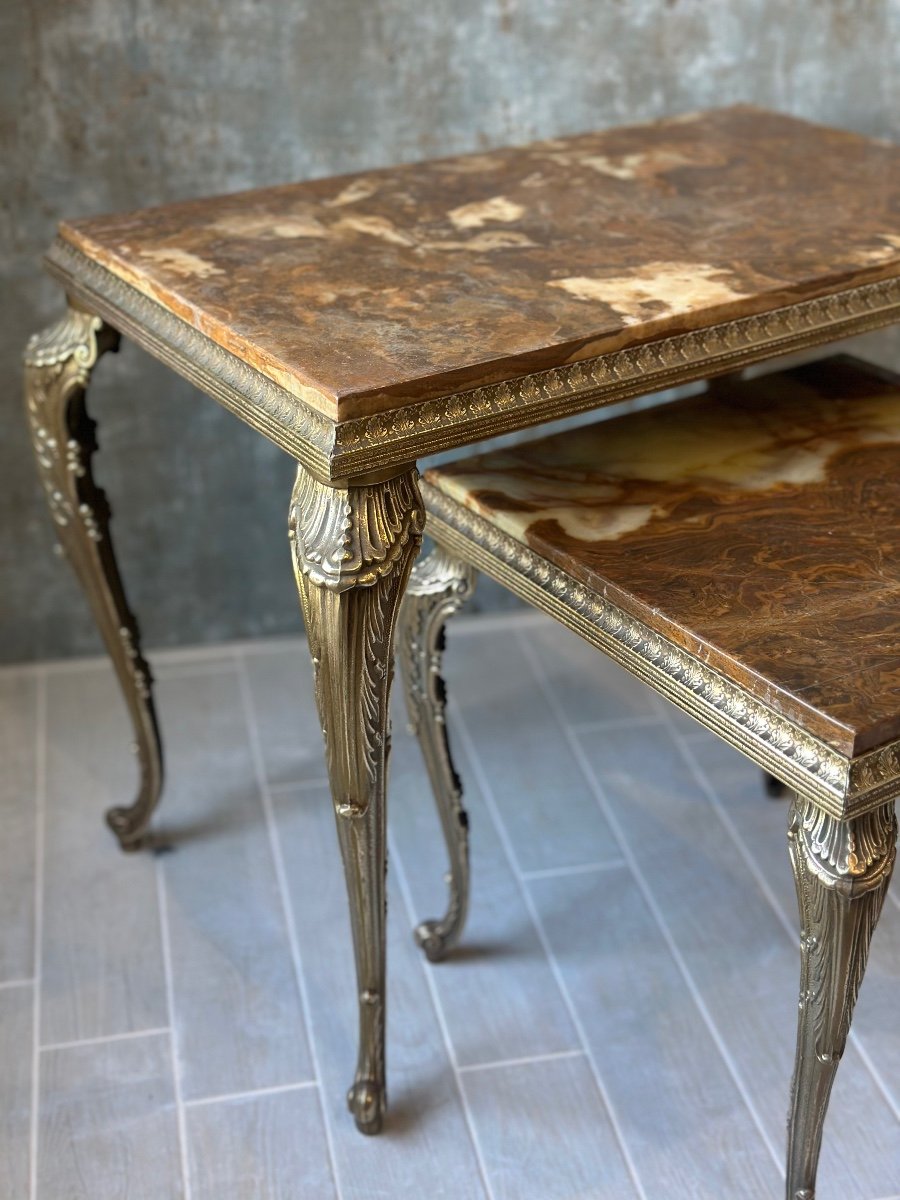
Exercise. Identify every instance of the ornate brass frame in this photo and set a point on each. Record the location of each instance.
(339, 450)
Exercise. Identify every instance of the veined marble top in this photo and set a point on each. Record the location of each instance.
(757, 525)
(371, 291)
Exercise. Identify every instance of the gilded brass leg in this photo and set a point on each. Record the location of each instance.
(353, 547)
(842, 870)
(438, 587)
(58, 365)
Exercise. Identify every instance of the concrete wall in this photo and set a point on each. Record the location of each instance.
(107, 105)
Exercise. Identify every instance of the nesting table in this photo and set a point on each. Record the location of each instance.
(365, 322)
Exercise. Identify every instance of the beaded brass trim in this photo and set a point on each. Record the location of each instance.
(844, 787)
(337, 450)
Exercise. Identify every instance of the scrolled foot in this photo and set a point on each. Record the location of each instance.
(433, 939)
(130, 824)
(366, 1101)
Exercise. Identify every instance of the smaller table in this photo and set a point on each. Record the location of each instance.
(364, 322)
(740, 552)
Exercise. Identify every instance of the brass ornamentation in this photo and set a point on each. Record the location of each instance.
(58, 366)
(353, 547)
(841, 786)
(842, 870)
(337, 450)
(438, 587)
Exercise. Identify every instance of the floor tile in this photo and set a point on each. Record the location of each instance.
(18, 745)
(682, 1118)
(497, 991)
(281, 685)
(545, 1134)
(108, 1126)
(589, 686)
(267, 1147)
(549, 812)
(102, 967)
(238, 1013)
(16, 1058)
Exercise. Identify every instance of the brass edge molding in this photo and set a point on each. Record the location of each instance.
(843, 787)
(290, 423)
(335, 450)
(434, 425)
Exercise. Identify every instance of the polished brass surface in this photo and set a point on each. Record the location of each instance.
(438, 587)
(58, 365)
(336, 450)
(353, 548)
(840, 785)
(842, 870)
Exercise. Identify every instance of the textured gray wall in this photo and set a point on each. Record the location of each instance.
(107, 105)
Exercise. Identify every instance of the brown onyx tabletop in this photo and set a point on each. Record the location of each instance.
(361, 294)
(757, 525)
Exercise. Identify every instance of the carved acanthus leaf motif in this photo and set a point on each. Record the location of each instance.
(71, 339)
(352, 549)
(346, 537)
(438, 587)
(846, 850)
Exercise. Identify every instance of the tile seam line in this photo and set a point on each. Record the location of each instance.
(16, 983)
(251, 724)
(162, 904)
(525, 1061)
(490, 803)
(102, 1040)
(793, 934)
(40, 793)
(403, 885)
(595, 786)
(251, 1094)
(591, 868)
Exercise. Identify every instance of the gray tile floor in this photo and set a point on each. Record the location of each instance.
(619, 1023)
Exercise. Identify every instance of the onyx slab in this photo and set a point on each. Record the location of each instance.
(754, 525)
(373, 291)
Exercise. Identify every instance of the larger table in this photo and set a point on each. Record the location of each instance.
(361, 323)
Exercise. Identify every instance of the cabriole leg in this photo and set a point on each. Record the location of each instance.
(58, 365)
(438, 587)
(842, 870)
(353, 547)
